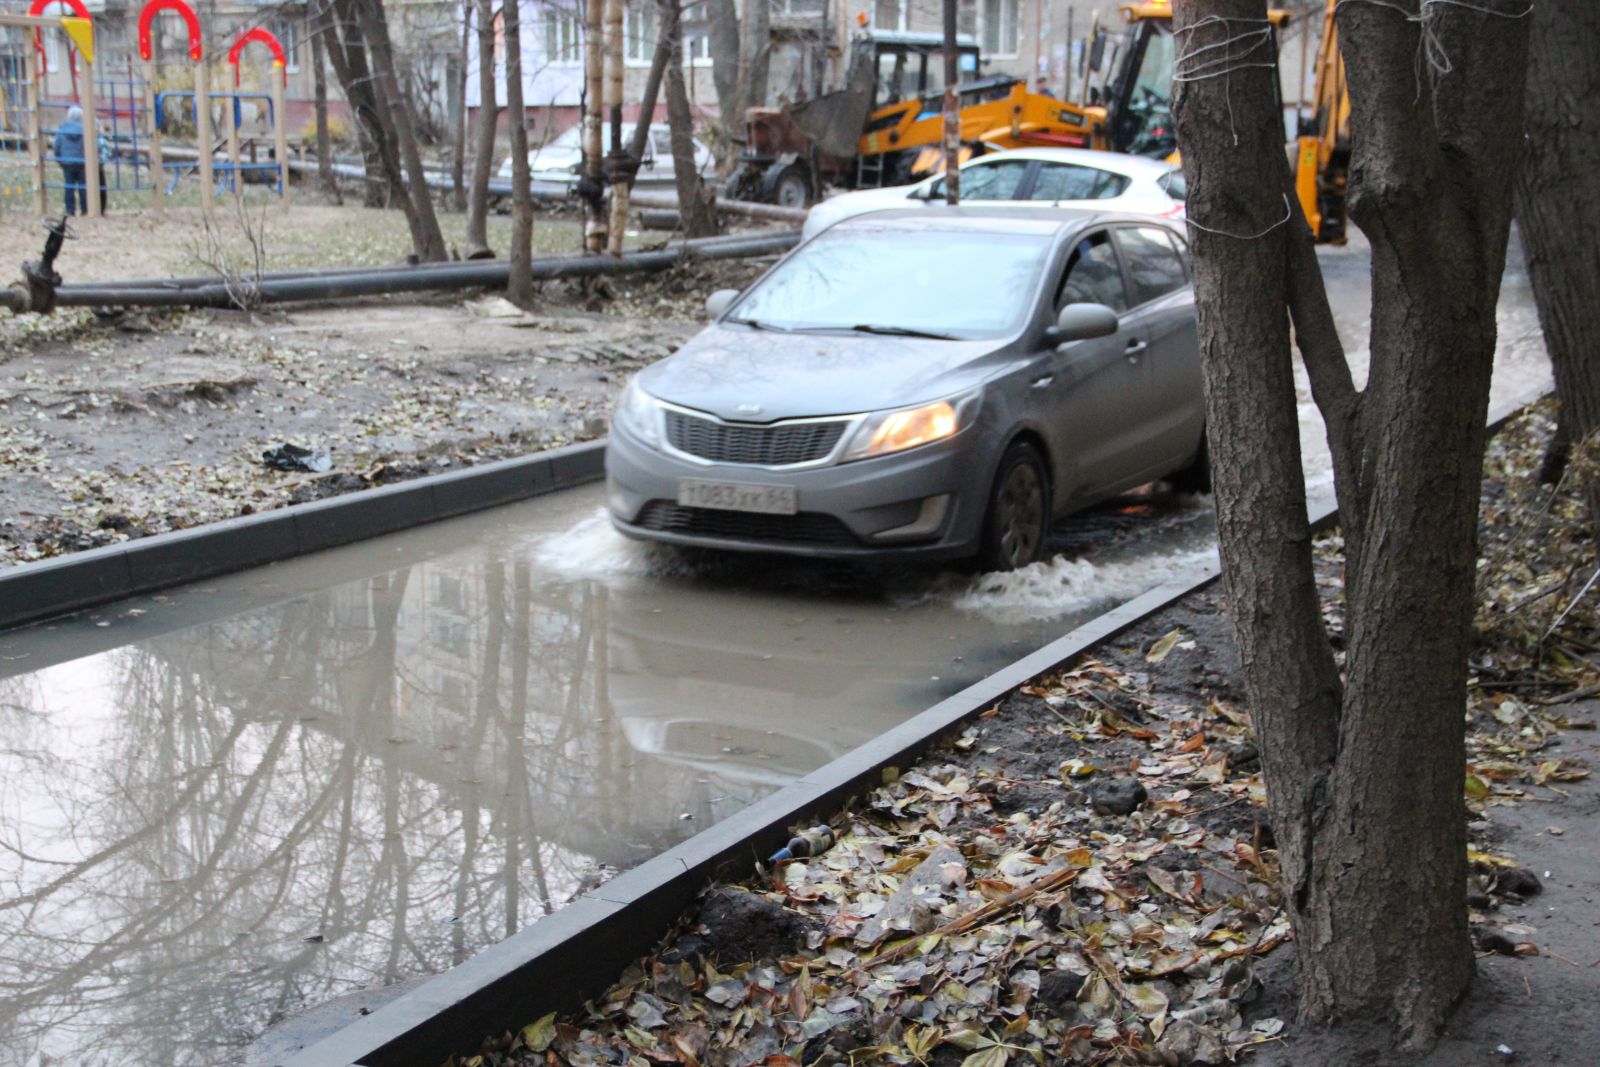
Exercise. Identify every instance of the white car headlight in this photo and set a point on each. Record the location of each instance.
(895, 431)
(639, 414)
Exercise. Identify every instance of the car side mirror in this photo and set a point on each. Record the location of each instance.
(1079, 322)
(720, 301)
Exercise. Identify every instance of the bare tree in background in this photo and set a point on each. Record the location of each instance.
(615, 164)
(319, 73)
(519, 283)
(426, 239)
(625, 168)
(591, 188)
(755, 55)
(347, 53)
(694, 201)
(1364, 766)
(483, 149)
(458, 155)
(1558, 209)
(724, 19)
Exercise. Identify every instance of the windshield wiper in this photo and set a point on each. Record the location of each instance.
(902, 331)
(755, 324)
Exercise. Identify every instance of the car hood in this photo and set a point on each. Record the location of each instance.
(728, 370)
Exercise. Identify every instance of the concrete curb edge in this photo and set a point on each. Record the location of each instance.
(30, 592)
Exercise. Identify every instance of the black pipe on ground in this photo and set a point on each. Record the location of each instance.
(191, 281)
(486, 274)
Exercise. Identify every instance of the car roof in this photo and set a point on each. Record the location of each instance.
(983, 219)
(1043, 221)
(1116, 162)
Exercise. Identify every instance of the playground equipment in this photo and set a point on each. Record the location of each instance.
(79, 27)
(202, 94)
(280, 134)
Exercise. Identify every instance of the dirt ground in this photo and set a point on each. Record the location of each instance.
(121, 425)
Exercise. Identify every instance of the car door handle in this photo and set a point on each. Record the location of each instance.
(1134, 348)
(1044, 382)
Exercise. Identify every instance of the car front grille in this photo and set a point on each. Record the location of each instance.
(767, 446)
(805, 528)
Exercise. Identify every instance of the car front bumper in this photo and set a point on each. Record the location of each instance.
(927, 502)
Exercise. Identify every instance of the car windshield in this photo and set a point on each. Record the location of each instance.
(943, 282)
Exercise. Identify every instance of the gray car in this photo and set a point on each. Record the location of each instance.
(938, 383)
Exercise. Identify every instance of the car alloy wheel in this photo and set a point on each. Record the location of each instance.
(1019, 509)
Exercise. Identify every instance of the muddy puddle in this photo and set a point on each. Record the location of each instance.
(228, 803)
(224, 805)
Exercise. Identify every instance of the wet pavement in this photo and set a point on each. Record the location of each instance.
(226, 804)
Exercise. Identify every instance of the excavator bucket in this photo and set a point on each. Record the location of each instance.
(833, 121)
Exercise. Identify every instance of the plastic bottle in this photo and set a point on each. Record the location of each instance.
(813, 842)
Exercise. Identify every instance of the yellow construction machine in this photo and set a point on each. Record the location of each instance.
(1322, 155)
(885, 125)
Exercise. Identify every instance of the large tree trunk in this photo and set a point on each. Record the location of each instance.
(1365, 780)
(591, 188)
(319, 76)
(1558, 205)
(483, 149)
(458, 155)
(519, 284)
(426, 240)
(694, 205)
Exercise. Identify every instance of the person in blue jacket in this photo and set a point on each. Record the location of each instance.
(68, 150)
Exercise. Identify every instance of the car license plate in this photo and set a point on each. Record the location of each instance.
(733, 496)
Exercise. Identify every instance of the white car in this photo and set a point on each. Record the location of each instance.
(1030, 177)
(555, 167)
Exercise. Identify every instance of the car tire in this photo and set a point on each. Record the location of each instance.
(1196, 477)
(1018, 517)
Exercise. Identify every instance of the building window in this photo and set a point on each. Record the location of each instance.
(562, 34)
(889, 15)
(999, 27)
(696, 33)
(288, 35)
(639, 30)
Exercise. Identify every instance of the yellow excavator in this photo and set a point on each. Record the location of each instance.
(885, 125)
(1322, 150)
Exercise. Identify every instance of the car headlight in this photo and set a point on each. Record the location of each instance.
(895, 431)
(639, 413)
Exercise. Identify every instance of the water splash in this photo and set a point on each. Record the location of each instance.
(1066, 586)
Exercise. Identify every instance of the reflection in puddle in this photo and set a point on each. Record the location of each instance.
(337, 773)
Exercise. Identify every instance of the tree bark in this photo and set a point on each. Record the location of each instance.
(1365, 779)
(348, 54)
(319, 75)
(625, 166)
(483, 150)
(694, 207)
(724, 18)
(615, 166)
(1558, 206)
(458, 160)
(519, 284)
(591, 189)
(755, 55)
(426, 240)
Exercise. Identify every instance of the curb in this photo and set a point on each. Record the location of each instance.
(30, 592)
(576, 954)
